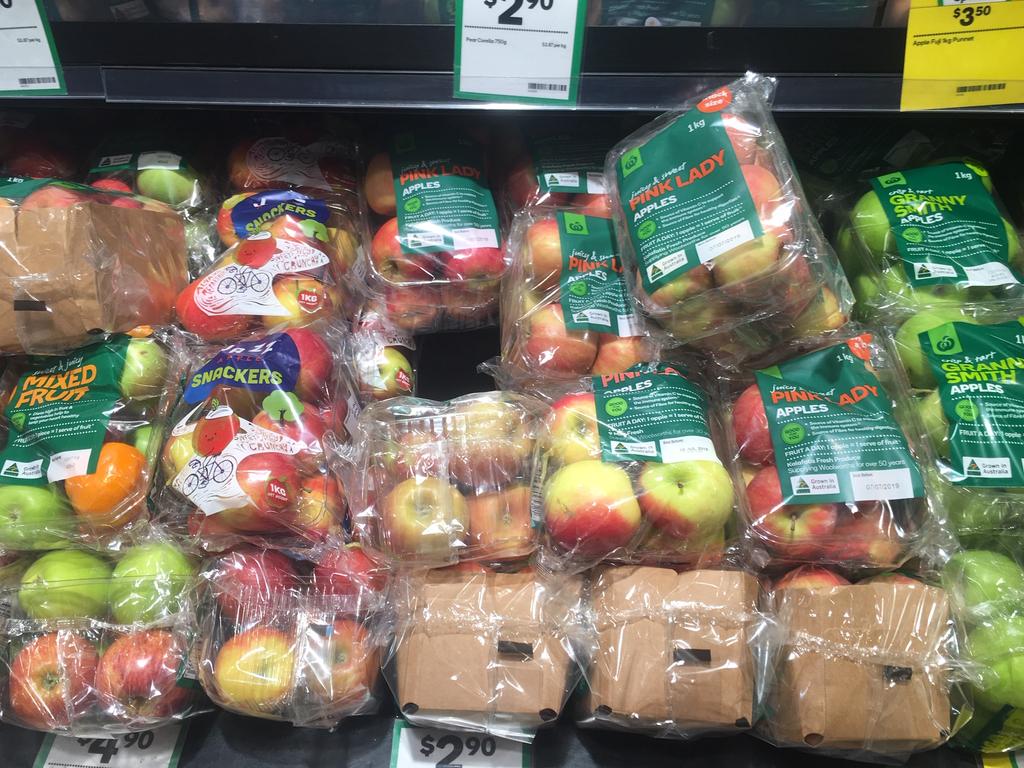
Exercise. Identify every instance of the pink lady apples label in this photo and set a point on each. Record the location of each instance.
(980, 405)
(946, 227)
(58, 414)
(593, 292)
(833, 431)
(444, 202)
(652, 413)
(570, 164)
(684, 197)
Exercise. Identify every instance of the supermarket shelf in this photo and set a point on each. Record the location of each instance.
(405, 66)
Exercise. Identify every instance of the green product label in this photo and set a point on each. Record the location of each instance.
(685, 199)
(444, 202)
(566, 163)
(982, 400)
(661, 13)
(592, 287)
(18, 189)
(58, 414)
(833, 431)
(652, 413)
(946, 226)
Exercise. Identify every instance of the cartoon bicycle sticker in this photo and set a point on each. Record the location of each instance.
(211, 469)
(243, 280)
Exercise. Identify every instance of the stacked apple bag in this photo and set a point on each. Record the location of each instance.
(94, 646)
(719, 243)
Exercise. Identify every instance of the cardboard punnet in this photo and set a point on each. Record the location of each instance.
(66, 273)
(673, 654)
(479, 648)
(863, 667)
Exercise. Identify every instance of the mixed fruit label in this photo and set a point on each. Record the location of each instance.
(947, 227)
(279, 160)
(667, 13)
(982, 397)
(652, 413)
(58, 414)
(250, 215)
(684, 195)
(444, 202)
(261, 365)
(593, 291)
(247, 287)
(570, 164)
(833, 431)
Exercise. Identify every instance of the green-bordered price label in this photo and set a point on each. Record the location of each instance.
(434, 748)
(28, 58)
(833, 431)
(979, 413)
(158, 748)
(519, 50)
(652, 413)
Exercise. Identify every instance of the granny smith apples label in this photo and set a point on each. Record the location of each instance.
(946, 226)
(567, 163)
(684, 195)
(833, 431)
(652, 413)
(444, 202)
(261, 365)
(593, 292)
(251, 214)
(664, 13)
(979, 368)
(58, 414)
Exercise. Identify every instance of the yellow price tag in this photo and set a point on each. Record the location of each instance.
(964, 55)
(1009, 760)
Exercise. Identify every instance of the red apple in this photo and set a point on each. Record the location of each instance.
(271, 481)
(348, 570)
(215, 431)
(867, 535)
(795, 531)
(500, 525)
(810, 577)
(315, 364)
(208, 327)
(616, 354)
(474, 264)
(300, 422)
(246, 579)
(137, 676)
(321, 507)
(487, 443)
(393, 264)
(551, 346)
(590, 508)
(681, 288)
(597, 205)
(351, 657)
(427, 517)
(112, 184)
(764, 188)
(543, 254)
(750, 427)
(32, 157)
(304, 298)
(53, 197)
(51, 680)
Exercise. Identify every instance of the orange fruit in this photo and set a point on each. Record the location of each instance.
(99, 497)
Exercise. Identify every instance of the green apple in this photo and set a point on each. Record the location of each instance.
(177, 452)
(66, 584)
(933, 419)
(142, 438)
(145, 369)
(984, 579)
(999, 646)
(908, 338)
(872, 226)
(168, 185)
(1014, 252)
(149, 583)
(33, 518)
(848, 252)
(686, 498)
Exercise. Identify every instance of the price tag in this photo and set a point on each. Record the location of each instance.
(159, 748)
(518, 50)
(422, 747)
(967, 54)
(28, 57)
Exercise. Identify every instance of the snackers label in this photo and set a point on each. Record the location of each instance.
(252, 214)
(660, 13)
(570, 164)
(980, 407)
(946, 226)
(58, 414)
(444, 202)
(684, 195)
(261, 365)
(593, 292)
(652, 413)
(833, 430)
(277, 160)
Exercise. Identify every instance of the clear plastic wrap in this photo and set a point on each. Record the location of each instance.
(668, 13)
(869, 671)
(833, 460)
(719, 243)
(565, 308)
(673, 653)
(81, 434)
(441, 482)
(255, 436)
(95, 647)
(631, 470)
(382, 358)
(479, 650)
(34, 151)
(76, 260)
(435, 260)
(283, 643)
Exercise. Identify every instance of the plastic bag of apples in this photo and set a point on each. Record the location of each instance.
(435, 260)
(831, 456)
(719, 243)
(292, 640)
(441, 482)
(565, 309)
(81, 433)
(95, 646)
(260, 425)
(631, 470)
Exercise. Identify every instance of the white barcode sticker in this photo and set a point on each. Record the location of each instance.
(28, 57)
